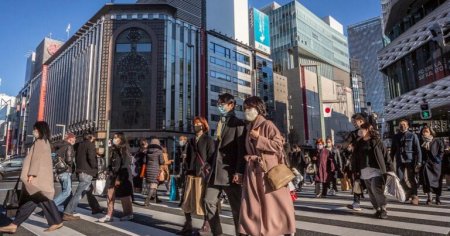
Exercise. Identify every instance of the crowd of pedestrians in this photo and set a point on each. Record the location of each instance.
(233, 163)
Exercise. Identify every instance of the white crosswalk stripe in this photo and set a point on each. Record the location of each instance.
(314, 216)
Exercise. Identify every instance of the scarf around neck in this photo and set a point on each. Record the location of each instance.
(427, 141)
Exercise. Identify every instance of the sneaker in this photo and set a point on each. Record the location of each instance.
(127, 218)
(332, 192)
(355, 206)
(105, 219)
(383, 214)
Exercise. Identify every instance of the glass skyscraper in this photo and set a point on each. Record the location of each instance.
(295, 28)
(365, 39)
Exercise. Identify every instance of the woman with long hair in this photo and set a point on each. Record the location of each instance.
(264, 211)
(372, 162)
(432, 153)
(120, 179)
(200, 151)
(37, 179)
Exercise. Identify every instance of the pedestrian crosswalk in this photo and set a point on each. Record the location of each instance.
(314, 216)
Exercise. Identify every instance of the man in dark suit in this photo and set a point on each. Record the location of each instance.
(227, 166)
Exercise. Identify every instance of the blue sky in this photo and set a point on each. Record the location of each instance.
(26, 22)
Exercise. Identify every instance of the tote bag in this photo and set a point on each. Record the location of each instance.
(12, 200)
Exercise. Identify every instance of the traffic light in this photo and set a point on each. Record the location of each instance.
(425, 112)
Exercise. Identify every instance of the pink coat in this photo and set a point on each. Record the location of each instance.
(325, 166)
(38, 163)
(264, 211)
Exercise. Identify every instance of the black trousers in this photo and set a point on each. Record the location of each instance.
(234, 193)
(27, 208)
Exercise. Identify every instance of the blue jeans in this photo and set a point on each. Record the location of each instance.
(84, 188)
(65, 179)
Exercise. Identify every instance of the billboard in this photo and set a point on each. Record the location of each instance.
(260, 30)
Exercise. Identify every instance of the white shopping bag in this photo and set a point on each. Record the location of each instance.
(393, 188)
(99, 186)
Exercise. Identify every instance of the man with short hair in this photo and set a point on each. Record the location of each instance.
(228, 165)
(65, 157)
(86, 169)
(408, 157)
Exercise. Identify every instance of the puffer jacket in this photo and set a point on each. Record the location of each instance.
(154, 160)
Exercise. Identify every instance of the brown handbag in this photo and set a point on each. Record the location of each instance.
(279, 176)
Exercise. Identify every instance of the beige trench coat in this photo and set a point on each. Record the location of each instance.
(264, 211)
(38, 163)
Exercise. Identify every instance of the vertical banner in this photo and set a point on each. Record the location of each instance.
(43, 93)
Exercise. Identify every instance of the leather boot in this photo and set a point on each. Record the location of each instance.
(415, 200)
(438, 200)
(186, 230)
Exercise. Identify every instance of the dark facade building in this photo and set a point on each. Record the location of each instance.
(365, 39)
(130, 68)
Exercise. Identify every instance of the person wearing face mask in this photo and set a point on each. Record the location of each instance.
(349, 145)
(182, 164)
(87, 169)
(139, 161)
(337, 163)
(120, 179)
(200, 151)
(228, 164)
(432, 151)
(372, 162)
(264, 211)
(37, 183)
(408, 157)
(325, 168)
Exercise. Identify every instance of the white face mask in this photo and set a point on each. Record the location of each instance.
(116, 141)
(182, 143)
(251, 114)
(36, 134)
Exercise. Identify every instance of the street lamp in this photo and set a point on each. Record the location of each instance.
(64, 129)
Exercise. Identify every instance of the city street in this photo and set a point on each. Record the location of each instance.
(327, 216)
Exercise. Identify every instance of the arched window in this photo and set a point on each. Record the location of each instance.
(131, 80)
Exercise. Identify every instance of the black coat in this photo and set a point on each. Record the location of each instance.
(154, 160)
(205, 148)
(229, 159)
(119, 169)
(86, 158)
(432, 163)
(383, 161)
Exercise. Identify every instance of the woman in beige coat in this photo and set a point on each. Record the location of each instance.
(264, 211)
(37, 178)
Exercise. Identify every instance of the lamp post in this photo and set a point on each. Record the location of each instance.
(64, 129)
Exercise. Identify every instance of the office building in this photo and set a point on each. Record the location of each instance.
(359, 98)
(281, 96)
(417, 62)
(365, 39)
